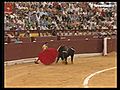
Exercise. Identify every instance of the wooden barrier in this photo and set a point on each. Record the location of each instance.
(46, 39)
(112, 45)
(25, 39)
(29, 50)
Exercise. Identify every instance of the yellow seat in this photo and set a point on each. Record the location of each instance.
(41, 34)
(48, 34)
(34, 35)
(44, 34)
(22, 35)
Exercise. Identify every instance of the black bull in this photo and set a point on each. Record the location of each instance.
(64, 53)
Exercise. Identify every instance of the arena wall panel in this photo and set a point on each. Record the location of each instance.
(14, 51)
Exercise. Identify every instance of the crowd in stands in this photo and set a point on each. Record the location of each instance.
(61, 16)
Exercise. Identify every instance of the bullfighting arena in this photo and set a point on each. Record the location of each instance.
(86, 72)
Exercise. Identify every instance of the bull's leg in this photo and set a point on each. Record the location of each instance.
(62, 58)
(72, 58)
(66, 61)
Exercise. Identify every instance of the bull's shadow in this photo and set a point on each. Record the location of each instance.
(64, 53)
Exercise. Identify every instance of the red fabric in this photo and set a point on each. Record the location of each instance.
(48, 56)
(8, 7)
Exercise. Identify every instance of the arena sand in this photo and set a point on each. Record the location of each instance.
(58, 75)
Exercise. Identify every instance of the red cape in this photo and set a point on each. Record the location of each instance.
(48, 56)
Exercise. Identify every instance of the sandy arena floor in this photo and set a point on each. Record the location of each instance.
(58, 75)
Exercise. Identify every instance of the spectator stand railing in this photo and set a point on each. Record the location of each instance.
(49, 33)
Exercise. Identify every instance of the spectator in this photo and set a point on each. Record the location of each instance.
(64, 15)
(54, 33)
(27, 33)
